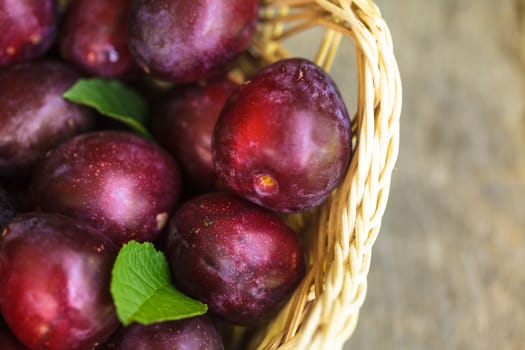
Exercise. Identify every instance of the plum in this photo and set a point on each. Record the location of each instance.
(184, 122)
(28, 28)
(117, 181)
(283, 139)
(238, 258)
(196, 333)
(34, 116)
(55, 274)
(95, 37)
(188, 40)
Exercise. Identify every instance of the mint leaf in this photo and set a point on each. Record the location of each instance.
(112, 99)
(141, 288)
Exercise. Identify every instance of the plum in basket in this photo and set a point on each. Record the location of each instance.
(190, 40)
(34, 117)
(283, 138)
(184, 123)
(55, 274)
(117, 181)
(95, 37)
(196, 333)
(237, 257)
(27, 29)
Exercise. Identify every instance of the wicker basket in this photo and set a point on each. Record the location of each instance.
(339, 235)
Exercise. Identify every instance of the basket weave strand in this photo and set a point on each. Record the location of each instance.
(339, 235)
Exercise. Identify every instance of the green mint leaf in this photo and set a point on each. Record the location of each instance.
(141, 288)
(112, 99)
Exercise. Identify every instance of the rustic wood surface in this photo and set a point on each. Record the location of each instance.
(448, 267)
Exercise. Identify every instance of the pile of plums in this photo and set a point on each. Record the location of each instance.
(227, 162)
